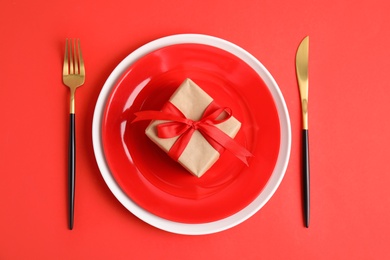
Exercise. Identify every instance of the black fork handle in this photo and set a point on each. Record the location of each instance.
(71, 169)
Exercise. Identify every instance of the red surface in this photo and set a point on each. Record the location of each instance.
(147, 174)
(349, 128)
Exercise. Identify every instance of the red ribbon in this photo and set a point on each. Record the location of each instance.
(183, 127)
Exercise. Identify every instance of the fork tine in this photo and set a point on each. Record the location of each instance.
(65, 69)
(75, 60)
(81, 60)
(71, 62)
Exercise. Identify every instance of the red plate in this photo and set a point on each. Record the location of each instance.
(152, 179)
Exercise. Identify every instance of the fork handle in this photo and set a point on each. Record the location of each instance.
(306, 176)
(71, 168)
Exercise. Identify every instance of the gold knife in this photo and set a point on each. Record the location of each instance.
(301, 63)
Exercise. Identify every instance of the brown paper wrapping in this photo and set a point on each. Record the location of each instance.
(198, 155)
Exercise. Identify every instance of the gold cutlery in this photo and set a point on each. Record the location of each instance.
(301, 62)
(73, 76)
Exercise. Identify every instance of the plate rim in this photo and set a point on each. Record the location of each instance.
(281, 163)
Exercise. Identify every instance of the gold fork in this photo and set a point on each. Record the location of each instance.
(73, 76)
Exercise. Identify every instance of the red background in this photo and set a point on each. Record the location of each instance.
(349, 128)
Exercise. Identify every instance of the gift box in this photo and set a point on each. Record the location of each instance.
(193, 129)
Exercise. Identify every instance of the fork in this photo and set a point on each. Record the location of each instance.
(73, 76)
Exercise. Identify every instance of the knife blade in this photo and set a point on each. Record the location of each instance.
(301, 63)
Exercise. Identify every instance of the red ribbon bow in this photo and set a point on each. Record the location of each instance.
(183, 127)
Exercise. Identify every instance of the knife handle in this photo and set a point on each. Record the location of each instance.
(71, 168)
(306, 176)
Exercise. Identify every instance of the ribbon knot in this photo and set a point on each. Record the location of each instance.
(195, 124)
(183, 128)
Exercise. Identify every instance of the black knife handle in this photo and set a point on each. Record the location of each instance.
(306, 176)
(71, 169)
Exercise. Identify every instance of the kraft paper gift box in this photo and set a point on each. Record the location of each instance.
(198, 156)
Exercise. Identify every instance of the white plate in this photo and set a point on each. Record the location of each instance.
(281, 164)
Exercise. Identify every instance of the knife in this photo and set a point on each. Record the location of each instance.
(301, 63)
